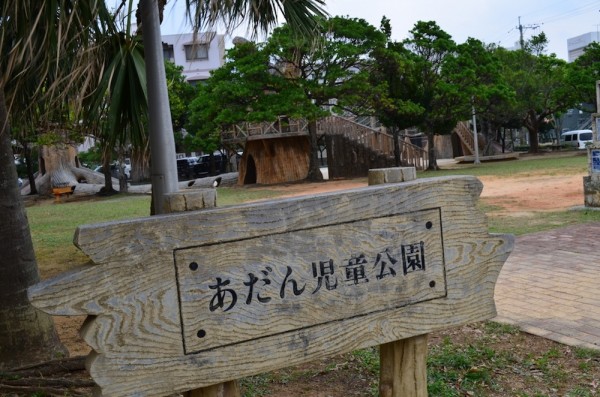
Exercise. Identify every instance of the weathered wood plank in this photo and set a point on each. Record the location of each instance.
(133, 293)
(160, 233)
(332, 273)
(404, 368)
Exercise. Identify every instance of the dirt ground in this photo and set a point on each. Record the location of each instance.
(513, 195)
(536, 192)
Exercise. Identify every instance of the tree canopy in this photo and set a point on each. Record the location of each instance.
(289, 75)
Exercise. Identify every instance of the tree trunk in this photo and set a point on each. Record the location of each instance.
(140, 169)
(533, 126)
(59, 160)
(396, 135)
(58, 168)
(534, 146)
(106, 158)
(431, 152)
(29, 165)
(314, 172)
(27, 335)
(123, 186)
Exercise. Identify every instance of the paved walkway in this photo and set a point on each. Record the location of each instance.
(550, 285)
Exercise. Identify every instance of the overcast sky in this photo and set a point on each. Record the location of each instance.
(486, 20)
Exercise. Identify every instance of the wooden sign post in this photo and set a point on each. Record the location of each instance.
(189, 300)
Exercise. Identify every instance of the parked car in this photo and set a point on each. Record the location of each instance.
(188, 168)
(577, 138)
(220, 164)
(114, 170)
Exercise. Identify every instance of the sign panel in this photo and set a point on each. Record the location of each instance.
(183, 301)
(282, 282)
(595, 160)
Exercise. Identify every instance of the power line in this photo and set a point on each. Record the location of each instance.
(562, 16)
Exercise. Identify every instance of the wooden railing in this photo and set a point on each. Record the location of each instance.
(374, 139)
(283, 126)
(413, 155)
(466, 136)
(382, 142)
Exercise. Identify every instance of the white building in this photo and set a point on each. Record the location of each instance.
(198, 55)
(576, 45)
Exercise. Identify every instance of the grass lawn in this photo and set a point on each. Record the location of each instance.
(572, 163)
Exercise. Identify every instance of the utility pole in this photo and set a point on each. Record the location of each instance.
(521, 28)
(475, 140)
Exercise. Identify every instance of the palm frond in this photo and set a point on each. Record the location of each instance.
(46, 49)
(260, 15)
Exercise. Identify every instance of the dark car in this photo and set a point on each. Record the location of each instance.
(219, 164)
(185, 168)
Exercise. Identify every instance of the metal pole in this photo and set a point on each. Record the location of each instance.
(162, 142)
(475, 142)
(597, 96)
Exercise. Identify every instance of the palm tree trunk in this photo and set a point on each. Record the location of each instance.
(26, 334)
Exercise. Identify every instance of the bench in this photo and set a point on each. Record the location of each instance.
(62, 191)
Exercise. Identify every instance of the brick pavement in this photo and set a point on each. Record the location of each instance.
(550, 285)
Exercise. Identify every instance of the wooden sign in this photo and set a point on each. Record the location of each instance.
(188, 300)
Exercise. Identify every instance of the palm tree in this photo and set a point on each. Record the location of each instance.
(118, 108)
(48, 53)
(43, 57)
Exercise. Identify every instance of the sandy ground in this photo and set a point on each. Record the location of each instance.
(531, 193)
(534, 193)
(514, 195)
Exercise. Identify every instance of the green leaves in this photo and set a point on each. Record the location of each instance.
(181, 94)
(121, 98)
(289, 75)
(45, 56)
(584, 73)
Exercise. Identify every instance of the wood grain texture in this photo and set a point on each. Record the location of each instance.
(403, 363)
(268, 161)
(404, 368)
(131, 290)
(362, 263)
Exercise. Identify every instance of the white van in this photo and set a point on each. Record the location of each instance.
(577, 138)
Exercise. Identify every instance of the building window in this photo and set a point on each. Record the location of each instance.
(168, 53)
(196, 51)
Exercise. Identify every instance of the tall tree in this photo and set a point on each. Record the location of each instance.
(244, 89)
(395, 99)
(118, 108)
(293, 76)
(444, 102)
(585, 72)
(541, 87)
(43, 54)
(332, 74)
(477, 70)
